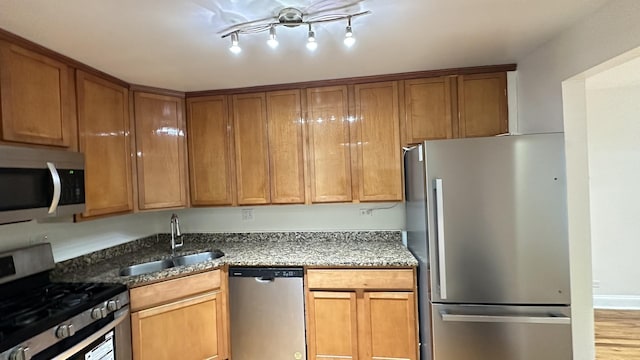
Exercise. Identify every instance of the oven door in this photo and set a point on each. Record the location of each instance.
(112, 342)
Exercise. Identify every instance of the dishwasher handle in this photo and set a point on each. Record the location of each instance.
(265, 279)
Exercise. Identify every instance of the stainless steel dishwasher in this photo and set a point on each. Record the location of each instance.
(267, 313)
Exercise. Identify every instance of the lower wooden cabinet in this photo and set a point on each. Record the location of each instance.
(361, 314)
(332, 326)
(188, 324)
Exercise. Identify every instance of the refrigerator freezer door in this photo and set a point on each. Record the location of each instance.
(501, 206)
(477, 332)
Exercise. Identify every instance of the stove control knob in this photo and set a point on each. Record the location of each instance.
(99, 313)
(65, 331)
(21, 353)
(113, 305)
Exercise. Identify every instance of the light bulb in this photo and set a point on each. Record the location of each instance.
(235, 44)
(311, 40)
(349, 40)
(273, 41)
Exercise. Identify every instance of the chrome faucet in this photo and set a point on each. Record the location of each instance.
(175, 233)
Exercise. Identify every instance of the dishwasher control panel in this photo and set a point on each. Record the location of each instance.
(275, 272)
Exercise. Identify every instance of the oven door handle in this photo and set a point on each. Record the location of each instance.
(100, 333)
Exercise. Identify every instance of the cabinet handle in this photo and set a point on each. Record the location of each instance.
(57, 187)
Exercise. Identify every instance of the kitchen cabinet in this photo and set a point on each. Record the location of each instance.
(37, 98)
(427, 108)
(184, 318)
(160, 150)
(482, 104)
(328, 129)
(361, 314)
(211, 163)
(286, 147)
(376, 138)
(105, 140)
(251, 148)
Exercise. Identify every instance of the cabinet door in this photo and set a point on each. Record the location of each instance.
(210, 151)
(329, 144)
(390, 327)
(35, 97)
(332, 325)
(286, 146)
(428, 109)
(482, 103)
(104, 136)
(189, 329)
(377, 139)
(251, 148)
(160, 149)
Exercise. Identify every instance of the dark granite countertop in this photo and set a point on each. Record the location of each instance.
(321, 249)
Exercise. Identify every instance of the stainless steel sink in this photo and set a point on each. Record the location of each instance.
(146, 268)
(153, 266)
(197, 258)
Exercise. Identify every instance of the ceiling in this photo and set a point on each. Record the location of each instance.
(175, 44)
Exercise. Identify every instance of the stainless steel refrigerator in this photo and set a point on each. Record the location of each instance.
(487, 221)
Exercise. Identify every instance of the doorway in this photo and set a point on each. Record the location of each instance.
(602, 128)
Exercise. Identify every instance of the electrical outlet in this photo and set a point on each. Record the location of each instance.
(366, 212)
(596, 284)
(247, 215)
(38, 239)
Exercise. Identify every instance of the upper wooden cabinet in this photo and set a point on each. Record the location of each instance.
(105, 140)
(211, 165)
(482, 104)
(427, 105)
(329, 144)
(286, 147)
(36, 95)
(251, 149)
(377, 142)
(160, 149)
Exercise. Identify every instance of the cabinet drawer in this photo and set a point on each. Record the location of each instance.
(371, 279)
(167, 291)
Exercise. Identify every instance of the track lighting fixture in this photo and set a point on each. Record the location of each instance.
(235, 43)
(273, 41)
(311, 40)
(349, 40)
(291, 18)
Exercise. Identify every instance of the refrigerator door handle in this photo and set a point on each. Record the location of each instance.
(442, 262)
(550, 319)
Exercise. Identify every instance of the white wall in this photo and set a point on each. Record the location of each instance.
(74, 239)
(613, 122)
(70, 239)
(608, 32)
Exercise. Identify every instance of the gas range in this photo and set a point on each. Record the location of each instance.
(40, 319)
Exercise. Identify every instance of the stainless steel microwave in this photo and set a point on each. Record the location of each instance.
(40, 183)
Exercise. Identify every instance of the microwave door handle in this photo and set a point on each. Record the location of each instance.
(442, 259)
(57, 187)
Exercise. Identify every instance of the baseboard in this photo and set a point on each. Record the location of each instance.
(616, 302)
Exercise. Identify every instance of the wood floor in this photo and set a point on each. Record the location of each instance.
(617, 334)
